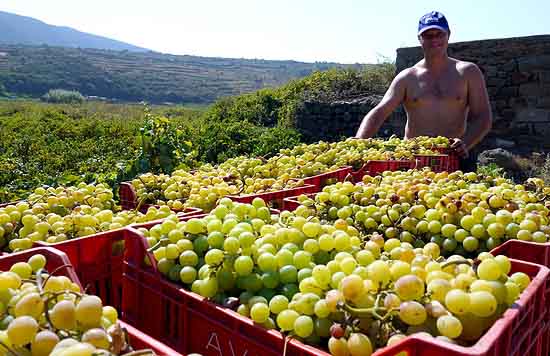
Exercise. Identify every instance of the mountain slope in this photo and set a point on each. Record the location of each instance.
(16, 29)
(136, 76)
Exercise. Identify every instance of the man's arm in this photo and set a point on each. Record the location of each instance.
(480, 118)
(376, 117)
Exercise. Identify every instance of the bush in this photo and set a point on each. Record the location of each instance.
(272, 107)
(61, 96)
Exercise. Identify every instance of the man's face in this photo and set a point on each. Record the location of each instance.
(434, 40)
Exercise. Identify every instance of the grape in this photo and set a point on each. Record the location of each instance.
(351, 286)
(321, 309)
(188, 274)
(409, 287)
(30, 304)
(37, 262)
(449, 326)
(43, 343)
(97, 337)
(438, 289)
(278, 303)
(489, 269)
(214, 257)
(89, 311)
(321, 274)
(359, 345)
(22, 269)
(259, 312)
(110, 313)
(244, 265)
(457, 301)
(379, 272)
(22, 330)
(338, 347)
(482, 304)
(412, 313)
(521, 279)
(303, 326)
(286, 319)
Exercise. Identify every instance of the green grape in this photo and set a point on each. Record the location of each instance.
(438, 289)
(188, 274)
(214, 257)
(409, 287)
(303, 326)
(321, 309)
(89, 311)
(457, 301)
(359, 345)
(22, 269)
(43, 343)
(188, 258)
(482, 304)
(449, 326)
(259, 312)
(267, 262)
(489, 270)
(412, 313)
(278, 303)
(37, 262)
(22, 330)
(30, 304)
(286, 318)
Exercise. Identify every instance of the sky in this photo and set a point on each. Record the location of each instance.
(344, 31)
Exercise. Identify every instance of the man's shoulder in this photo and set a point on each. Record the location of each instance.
(468, 68)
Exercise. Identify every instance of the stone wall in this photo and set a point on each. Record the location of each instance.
(517, 74)
(333, 121)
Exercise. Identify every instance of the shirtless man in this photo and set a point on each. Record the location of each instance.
(442, 96)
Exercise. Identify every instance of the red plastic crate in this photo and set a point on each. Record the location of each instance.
(322, 179)
(129, 200)
(292, 203)
(437, 163)
(522, 330)
(97, 260)
(127, 196)
(377, 167)
(188, 322)
(139, 341)
(275, 199)
(525, 251)
(191, 323)
(54, 260)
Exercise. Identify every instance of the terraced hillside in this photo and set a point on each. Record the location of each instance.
(134, 76)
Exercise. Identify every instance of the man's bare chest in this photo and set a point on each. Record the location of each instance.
(449, 90)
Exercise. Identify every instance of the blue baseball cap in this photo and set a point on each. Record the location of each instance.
(434, 19)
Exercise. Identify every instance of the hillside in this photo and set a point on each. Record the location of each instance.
(16, 29)
(136, 76)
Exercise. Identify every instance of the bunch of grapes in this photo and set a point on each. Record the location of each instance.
(44, 314)
(21, 225)
(327, 283)
(246, 175)
(463, 213)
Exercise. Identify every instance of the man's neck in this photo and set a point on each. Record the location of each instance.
(436, 63)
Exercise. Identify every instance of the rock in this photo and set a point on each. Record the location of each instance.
(500, 157)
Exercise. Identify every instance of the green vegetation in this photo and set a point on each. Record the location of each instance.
(136, 76)
(60, 96)
(270, 107)
(43, 143)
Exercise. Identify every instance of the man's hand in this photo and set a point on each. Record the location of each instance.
(460, 148)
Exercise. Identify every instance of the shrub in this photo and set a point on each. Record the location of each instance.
(61, 96)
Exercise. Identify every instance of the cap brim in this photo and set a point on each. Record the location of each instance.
(431, 27)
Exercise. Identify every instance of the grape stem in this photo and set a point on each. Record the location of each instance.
(456, 262)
